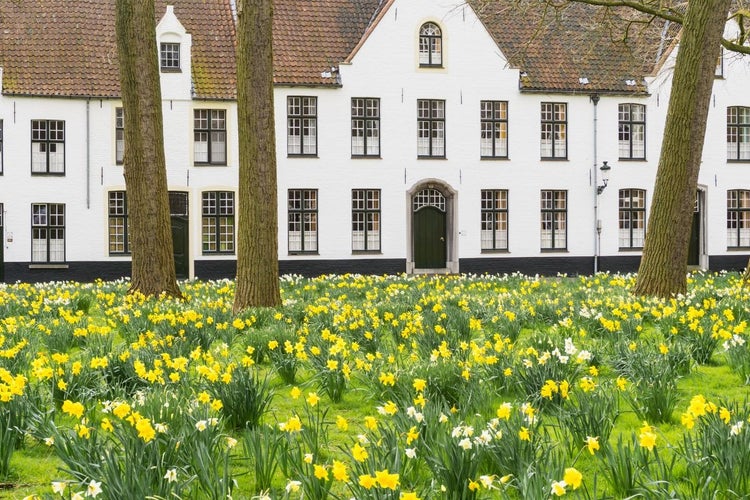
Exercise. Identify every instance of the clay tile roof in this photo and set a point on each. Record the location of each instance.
(67, 47)
(313, 36)
(559, 49)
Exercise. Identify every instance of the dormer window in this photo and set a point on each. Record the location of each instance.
(170, 56)
(430, 45)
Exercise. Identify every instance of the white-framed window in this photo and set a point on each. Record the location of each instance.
(119, 135)
(302, 225)
(118, 223)
(365, 126)
(494, 231)
(47, 147)
(169, 53)
(554, 205)
(47, 232)
(302, 126)
(632, 131)
(738, 218)
(431, 128)
(554, 140)
(365, 220)
(632, 217)
(494, 125)
(430, 45)
(210, 136)
(738, 133)
(218, 222)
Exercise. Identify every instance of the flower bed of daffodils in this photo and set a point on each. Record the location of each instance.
(393, 387)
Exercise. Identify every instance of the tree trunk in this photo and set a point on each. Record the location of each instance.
(663, 266)
(257, 224)
(153, 270)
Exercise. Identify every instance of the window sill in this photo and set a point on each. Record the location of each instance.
(554, 250)
(432, 157)
(742, 160)
(48, 174)
(171, 70)
(367, 157)
(495, 250)
(738, 249)
(303, 253)
(632, 159)
(553, 158)
(431, 66)
(209, 164)
(494, 158)
(120, 254)
(367, 252)
(630, 249)
(299, 155)
(48, 266)
(217, 254)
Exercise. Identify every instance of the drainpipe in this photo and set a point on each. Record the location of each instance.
(597, 223)
(88, 153)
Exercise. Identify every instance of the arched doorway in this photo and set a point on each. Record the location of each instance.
(431, 229)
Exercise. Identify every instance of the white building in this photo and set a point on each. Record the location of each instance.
(412, 135)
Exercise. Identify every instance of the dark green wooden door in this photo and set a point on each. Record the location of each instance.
(429, 238)
(180, 242)
(695, 238)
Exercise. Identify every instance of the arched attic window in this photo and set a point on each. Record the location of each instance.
(430, 45)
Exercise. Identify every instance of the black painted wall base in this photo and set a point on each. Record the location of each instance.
(220, 269)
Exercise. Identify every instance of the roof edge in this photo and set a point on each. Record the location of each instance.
(370, 29)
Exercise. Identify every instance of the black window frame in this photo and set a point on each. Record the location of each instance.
(366, 122)
(738, 216)
(738, 130)
(213, 217)
(169, 57)
(50, 140)
(631, 212)
(300, 208)
(119, 135)
(213, 125)
(491, 123)
(550, 119)
(553, 210)
(626, 129)
(47, 228)
(432, 120)
(118, 216)
(494, 210)
(430, 43)
(307, 121)
(366, 214)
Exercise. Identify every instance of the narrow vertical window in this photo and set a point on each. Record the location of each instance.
(554, 141)
(554, 220)
(302, 126)
(170, 56)
(47, 232)
(210, 136)
(218, 222)
(430, 45)
(365, 220)
(118, 226)
(47, 147)
(494, 125)
(632, 131)
(119, 135)
(494, 219)
(738, 218)
(365, 126)
(303, 220)
(632, 217)
(738, 133)
(430, 128)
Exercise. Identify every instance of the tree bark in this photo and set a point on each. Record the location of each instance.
(663, 266)
(257, 224)
(153, 270)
